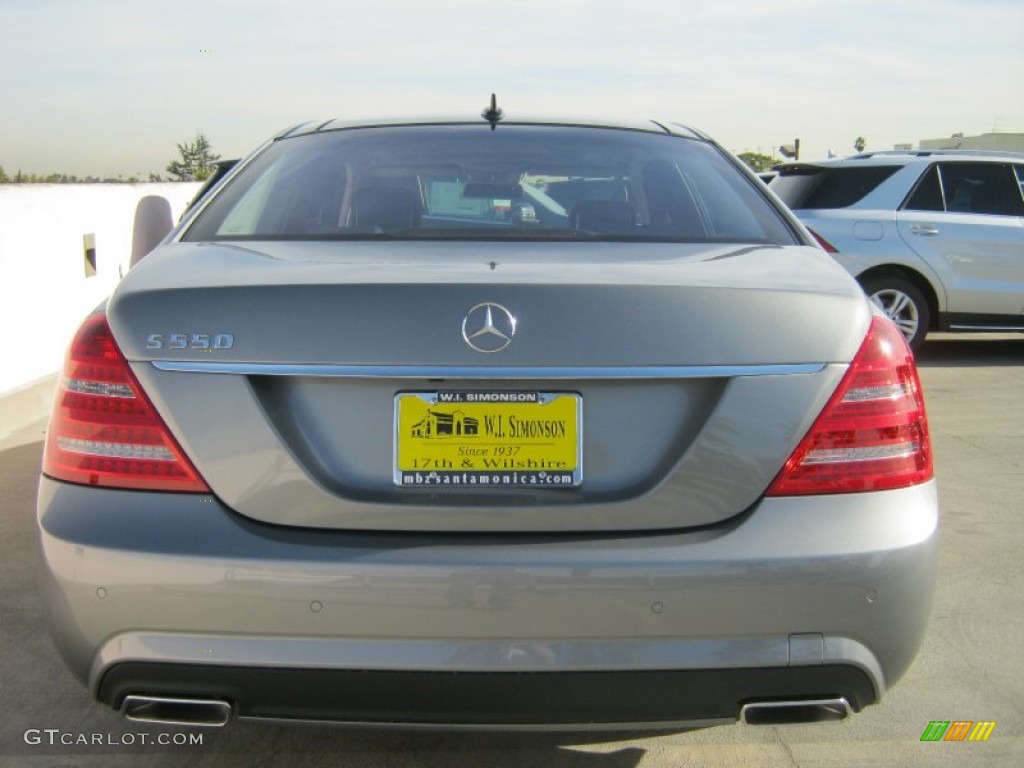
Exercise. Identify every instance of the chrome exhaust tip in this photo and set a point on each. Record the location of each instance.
(210, 713)
(800, 712)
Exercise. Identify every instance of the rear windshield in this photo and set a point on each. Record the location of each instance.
(467, 181)
(815, 187)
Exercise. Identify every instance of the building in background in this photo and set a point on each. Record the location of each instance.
(999, 142)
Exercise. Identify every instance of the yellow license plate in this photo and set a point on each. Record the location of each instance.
(479, 439)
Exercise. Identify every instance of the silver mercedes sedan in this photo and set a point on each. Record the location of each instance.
(488, 423)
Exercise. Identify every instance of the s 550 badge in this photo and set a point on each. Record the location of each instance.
(190, 341)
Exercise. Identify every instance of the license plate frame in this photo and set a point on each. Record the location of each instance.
(488, 439)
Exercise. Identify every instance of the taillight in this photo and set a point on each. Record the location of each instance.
(829, 248)
(873, 434)
(104, 430)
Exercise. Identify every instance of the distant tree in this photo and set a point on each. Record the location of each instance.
(860, 143)
(197, 161)
(757, 161)
(64, 178)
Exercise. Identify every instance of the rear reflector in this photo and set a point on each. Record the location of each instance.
(104, 430)
(873, 434)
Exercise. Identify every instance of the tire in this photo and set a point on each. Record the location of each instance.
(903, 303)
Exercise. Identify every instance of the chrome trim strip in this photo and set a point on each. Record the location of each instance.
(489, 371)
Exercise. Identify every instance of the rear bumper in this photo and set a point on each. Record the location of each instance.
(800, 598)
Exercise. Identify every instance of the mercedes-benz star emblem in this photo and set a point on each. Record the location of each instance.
(488, 327)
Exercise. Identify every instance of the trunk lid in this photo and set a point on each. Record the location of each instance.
(694, 371)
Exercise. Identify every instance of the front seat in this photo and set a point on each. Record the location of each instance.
(606, 217)
(385, 209)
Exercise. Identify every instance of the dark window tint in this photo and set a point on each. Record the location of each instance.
(815, 187)
(518, 182)
(927, 196)
(988, 188)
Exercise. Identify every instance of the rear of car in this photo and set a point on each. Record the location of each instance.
(495, 424)
(936, 238)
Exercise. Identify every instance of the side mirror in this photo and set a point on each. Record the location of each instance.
(152, 223)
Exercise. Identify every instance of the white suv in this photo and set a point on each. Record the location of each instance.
(936, 238)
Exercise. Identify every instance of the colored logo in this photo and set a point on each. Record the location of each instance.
(958, 730)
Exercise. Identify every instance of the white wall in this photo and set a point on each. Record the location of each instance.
(44, 293)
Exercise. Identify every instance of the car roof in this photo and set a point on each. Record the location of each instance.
(906, 157)
(647, 126)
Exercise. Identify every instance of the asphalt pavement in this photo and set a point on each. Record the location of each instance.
(970, 668)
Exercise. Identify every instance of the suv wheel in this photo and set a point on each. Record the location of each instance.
(904, 304)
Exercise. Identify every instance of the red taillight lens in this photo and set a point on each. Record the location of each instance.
(829, 248)
(873, 434)
(104, 430)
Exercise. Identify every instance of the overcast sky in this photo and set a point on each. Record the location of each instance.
(109, 86)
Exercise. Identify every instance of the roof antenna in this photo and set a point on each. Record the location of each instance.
(492, 114)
